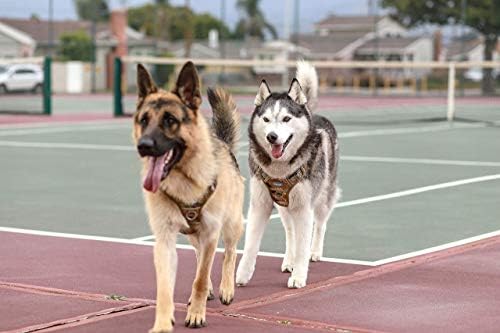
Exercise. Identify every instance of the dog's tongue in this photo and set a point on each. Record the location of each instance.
(152, 179)
(277, 151)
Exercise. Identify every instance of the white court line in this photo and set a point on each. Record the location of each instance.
(58, 145)
(62, 129)
(139, 242)
(417, 161)
(51, 145)
(437, 248)
(62, 124)
(408, 130)
(411, 191)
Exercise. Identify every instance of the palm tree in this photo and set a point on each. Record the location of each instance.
(253, 23)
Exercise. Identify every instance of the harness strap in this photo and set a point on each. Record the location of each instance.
(279, 188)
(192, 213)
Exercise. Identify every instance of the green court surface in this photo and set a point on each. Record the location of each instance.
(407, 185)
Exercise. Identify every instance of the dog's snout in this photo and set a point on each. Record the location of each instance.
(272, 137)
(146, 146)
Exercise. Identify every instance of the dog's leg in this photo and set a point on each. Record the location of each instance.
(261, 206)
(165, 259)
(303, 224)
(193, 239)
(231, 234)
(322, 213)
(196, 309)
(286, 219)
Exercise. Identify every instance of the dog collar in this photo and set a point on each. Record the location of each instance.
(279, 188)
(192, 213)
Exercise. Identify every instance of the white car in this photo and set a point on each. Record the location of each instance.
(20, 77)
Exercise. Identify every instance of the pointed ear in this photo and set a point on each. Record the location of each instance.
(145, 83)
(296, 94)
(188, 86)
(263, 93)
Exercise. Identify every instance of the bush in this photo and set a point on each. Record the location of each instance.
(76, 46)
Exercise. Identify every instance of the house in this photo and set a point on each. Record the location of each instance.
(15, 43)
(36, 37)
(337, 37)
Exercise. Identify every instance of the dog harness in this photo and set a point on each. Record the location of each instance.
(192, 213)
(279, 188)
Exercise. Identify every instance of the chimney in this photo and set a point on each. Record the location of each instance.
(438, 46)
(213, 39)
(118, 27)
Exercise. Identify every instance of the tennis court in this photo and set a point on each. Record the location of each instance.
(411, 246)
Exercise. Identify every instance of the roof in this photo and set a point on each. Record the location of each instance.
(455, 46)
(351, 22)
(234, 49)
(330, 44)
(387, 44)
(15, 34)
(39, 29)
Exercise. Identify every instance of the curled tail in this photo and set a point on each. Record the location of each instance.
(308, 79)
(226, 119)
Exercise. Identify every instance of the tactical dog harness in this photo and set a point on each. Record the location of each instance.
(279, 188)
(192, 213)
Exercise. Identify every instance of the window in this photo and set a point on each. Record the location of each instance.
(24, 71)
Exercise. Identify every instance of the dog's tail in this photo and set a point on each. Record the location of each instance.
(308, 79)
(226, 119)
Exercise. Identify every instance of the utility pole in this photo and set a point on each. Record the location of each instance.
(51, 28)
(296, 22)
(463, 18)
(94, 49)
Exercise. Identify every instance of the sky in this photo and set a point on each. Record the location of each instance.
(310, 10)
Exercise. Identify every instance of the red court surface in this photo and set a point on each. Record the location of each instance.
(63, 284)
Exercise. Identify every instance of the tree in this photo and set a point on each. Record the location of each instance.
(92, 10)
(203, 23)
(253, 23)
(76, 46)
(482, 15)
(167, 22)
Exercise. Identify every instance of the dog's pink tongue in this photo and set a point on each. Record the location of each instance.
(155, 170)
(277, 151)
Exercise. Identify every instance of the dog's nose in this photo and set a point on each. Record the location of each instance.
(145, 146)
(272, 137)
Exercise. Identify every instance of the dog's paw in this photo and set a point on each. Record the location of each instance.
(286, 267)
(211, 295)
(195, 319)
(316, 256)
(167, 329)
(226, 295)
(243, 276)
(296, 282)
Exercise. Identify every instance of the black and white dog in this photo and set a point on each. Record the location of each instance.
(293, 163)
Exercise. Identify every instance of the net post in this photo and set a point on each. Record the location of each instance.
(451, 92)
(117, 88)
(47, 86)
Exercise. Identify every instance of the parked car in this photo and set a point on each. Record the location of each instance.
(21, 77)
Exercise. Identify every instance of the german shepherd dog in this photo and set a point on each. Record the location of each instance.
(192, 185)
(293, 161)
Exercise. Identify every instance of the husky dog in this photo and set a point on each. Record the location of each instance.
(192, 185)
(293, 163)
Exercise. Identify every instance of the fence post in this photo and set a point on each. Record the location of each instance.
(47, 86)
(117, 88)
(451, 92)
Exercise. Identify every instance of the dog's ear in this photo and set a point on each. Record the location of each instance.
(188, 86)
(296, 94)
(145, 83)
(263, 93)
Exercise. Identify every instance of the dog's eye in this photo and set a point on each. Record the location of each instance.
(144, 120)
(266, 120)
(286, 119)
(168, 120)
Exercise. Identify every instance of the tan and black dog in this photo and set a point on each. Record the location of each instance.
(192, 185)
